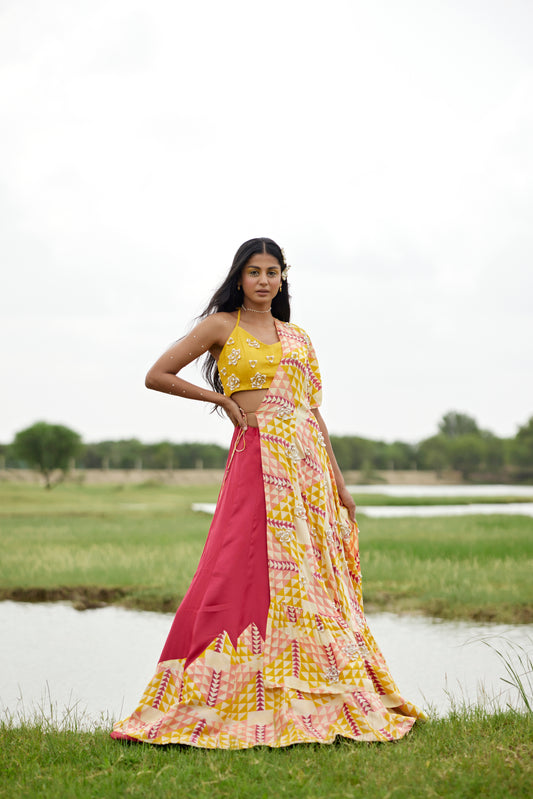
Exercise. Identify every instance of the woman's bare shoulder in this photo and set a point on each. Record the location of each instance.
(224, 317)
(216, 328)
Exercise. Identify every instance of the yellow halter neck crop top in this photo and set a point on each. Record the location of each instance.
(245, 362)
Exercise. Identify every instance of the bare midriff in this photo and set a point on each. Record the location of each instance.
(250, 401)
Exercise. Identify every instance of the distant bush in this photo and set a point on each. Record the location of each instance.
(46, 447)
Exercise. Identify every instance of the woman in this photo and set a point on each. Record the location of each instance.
(270, 644)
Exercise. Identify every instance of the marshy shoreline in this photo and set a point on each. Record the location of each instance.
(137, 545)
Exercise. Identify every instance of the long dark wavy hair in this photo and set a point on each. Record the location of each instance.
(228, 297)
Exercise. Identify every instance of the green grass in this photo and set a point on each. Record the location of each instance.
(143, 542)
(470, 754)
(465, 567)
(140, 545)
(142, 539)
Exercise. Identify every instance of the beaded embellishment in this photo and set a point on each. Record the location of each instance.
(233, 382)
(258, 380)
(234, 356)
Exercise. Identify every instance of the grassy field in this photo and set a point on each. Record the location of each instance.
(469, 754)
(139, 546)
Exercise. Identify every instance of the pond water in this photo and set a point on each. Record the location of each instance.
(488, 508)
(399, 511)
(93, 666)
(495, 490)
(382, 512)
(421, 491)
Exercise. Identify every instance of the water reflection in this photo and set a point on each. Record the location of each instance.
(495, 490)
(98, 662)
(424, 491)
(511, 508)
(399, 511)
(488, 508)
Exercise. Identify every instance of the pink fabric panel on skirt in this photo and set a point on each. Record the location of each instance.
(230, 589)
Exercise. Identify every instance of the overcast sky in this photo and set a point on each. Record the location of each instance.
(386, 145)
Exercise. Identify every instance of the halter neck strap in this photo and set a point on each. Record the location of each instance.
(239, 316)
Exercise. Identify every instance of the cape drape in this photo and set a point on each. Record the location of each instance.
(313, 670)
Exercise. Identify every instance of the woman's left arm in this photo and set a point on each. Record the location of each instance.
(344, 495)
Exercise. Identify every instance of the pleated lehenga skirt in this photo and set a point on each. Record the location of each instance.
(235, 672)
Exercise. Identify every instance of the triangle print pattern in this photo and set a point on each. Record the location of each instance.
(318, 673)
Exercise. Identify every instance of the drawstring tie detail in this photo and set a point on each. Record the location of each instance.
(240, 437)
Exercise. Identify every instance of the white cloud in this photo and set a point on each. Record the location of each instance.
(387, 146)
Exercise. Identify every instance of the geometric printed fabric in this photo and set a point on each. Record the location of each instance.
(318, 673)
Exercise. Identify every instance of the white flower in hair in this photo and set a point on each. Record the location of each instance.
(287, 266)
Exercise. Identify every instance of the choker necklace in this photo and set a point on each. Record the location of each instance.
(253, 310)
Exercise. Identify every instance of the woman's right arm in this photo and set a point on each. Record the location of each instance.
(163, 376)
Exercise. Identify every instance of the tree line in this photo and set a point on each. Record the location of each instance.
(459, 444)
